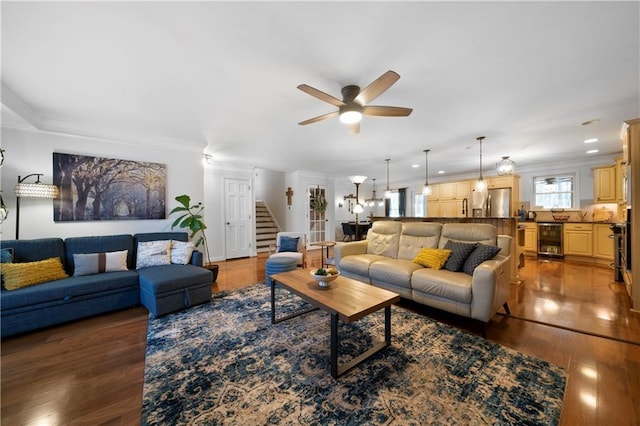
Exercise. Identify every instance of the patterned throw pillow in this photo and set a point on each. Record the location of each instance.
(459, 253)
(288, 244)
(97, 263)
(6, 255)
(153, 253)
(480, 254)
(181, 251)
(17, 275)
(432, 258)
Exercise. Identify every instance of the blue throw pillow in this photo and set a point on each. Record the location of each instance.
(459, 254)
(288, 244)
(480, 254)
(6, 255)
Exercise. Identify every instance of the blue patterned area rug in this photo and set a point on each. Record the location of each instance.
(225, 363)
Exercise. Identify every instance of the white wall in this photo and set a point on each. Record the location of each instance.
(31, 151)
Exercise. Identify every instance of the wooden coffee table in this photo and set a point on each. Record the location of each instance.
(345, 299)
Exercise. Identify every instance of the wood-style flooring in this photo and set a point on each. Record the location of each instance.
(90, 372)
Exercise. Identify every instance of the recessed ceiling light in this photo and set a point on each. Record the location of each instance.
(592, 151)
(440, 172)
(586, 123)
(415, 166)
(592, 140)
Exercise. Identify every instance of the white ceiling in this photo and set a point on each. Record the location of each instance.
(222, 76)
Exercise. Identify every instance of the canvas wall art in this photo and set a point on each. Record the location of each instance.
(95, 188)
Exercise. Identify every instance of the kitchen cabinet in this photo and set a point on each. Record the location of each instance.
(578, 239)
(451, 208)
(433, 209)
(455, 190)
(435, 193)
(500, 182)
(530, 236)
(604, 184)
(603, 247)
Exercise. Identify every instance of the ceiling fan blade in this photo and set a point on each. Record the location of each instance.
(386, 111)
(318, 118)
(320, 95)
(378, 87)
(355, 128)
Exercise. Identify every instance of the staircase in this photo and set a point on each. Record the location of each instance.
(266, 228)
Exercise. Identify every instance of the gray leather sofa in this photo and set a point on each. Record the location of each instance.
(385, 259)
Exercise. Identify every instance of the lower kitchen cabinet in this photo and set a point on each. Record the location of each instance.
(578, 239)
(603, 244)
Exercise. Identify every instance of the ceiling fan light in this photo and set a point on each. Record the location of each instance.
(351, 113)
(350, 117)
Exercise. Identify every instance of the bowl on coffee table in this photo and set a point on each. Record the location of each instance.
(324, 276)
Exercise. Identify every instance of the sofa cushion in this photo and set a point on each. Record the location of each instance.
(181, 251)
(97, 263)
(359, 264)
(67, 289)
(459, 254)
(17, 275)
(416, 236)
(468, 233)
(443, 283)
(98, 244)
(432, 258)
(393, 271)
(383, 238)
(164, 278)
(38, 249)
(480, 254)
(153, 253)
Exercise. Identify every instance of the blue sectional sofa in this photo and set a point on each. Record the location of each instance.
(164, 288)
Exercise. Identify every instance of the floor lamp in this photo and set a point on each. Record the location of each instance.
(36, 189)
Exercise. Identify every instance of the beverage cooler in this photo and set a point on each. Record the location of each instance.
(550, 239)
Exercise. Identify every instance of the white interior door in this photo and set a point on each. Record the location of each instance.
(317, 216)
(239, 217)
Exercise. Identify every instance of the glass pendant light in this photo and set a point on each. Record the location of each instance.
(387, 192)
(426, 190)
(480, 185)
(506, 166)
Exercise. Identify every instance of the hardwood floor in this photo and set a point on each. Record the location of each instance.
(90, 372)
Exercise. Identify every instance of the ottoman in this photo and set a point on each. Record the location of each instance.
(275, 265)
(169, 288)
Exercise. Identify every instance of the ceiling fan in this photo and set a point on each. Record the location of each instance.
(354, 103)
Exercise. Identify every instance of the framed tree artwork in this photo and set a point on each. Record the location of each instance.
(95, 188)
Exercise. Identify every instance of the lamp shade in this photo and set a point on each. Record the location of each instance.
(36, 190)
(357, 179)
(357, 209)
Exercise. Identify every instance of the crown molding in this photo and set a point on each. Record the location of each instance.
(20, 107)
(26, 114)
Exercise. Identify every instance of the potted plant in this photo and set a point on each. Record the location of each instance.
(191, 218)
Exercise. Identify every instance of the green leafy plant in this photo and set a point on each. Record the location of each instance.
(191, 218)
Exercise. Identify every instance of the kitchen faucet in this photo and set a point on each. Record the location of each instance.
(465, 207)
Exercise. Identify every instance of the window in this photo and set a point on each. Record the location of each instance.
(395, 206)
(554, 191)
(420, 205)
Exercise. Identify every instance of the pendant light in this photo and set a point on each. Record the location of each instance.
(387, 192)
(374, 199)
(480, 185)
(506, 166)
(426, 190)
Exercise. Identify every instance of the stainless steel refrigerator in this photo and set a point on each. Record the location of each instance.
(498, 203)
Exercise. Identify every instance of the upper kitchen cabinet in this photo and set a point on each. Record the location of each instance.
(604, 184)
(455, 190)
